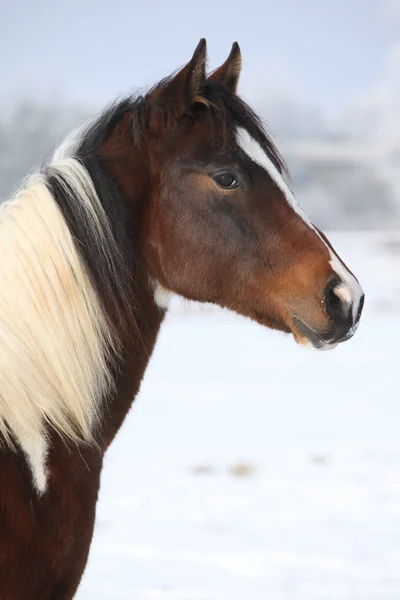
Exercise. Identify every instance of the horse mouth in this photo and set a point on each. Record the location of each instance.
(309, 336)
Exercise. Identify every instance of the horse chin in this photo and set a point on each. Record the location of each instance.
(305, 336)
(319, 346)
(322, 347)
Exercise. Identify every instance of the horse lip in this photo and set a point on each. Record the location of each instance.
(351, 332)
(311, 335)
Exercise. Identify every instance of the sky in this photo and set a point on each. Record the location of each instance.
(326, 53)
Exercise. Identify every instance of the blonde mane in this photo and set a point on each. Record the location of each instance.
(55, 340)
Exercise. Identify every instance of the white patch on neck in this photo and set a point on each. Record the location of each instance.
(162, 296)
(34, 445)
(351, 290)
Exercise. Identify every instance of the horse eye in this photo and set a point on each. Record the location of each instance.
(226, 180)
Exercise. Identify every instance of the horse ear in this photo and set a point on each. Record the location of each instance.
(229, 72)
(186, 87)
(195, 72)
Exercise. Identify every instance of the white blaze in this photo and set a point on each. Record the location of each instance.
(254, 151)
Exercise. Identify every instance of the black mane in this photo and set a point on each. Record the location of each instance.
(112, 270)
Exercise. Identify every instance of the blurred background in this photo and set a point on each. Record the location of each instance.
(248, 468)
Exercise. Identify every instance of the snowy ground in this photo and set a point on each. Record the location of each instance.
(252, 469)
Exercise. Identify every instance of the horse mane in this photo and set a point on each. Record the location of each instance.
(67, 267)
(110, 262)
(56, 344)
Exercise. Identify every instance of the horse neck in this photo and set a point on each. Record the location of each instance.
(126, 166)
(137, 350)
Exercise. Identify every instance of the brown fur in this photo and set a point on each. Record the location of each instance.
(245, 249)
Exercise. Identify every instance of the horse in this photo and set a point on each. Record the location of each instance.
(177, 191)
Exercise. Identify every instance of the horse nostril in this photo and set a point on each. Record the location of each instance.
(337, 300)
(333, 299)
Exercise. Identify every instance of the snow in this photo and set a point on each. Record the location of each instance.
(251, 468)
